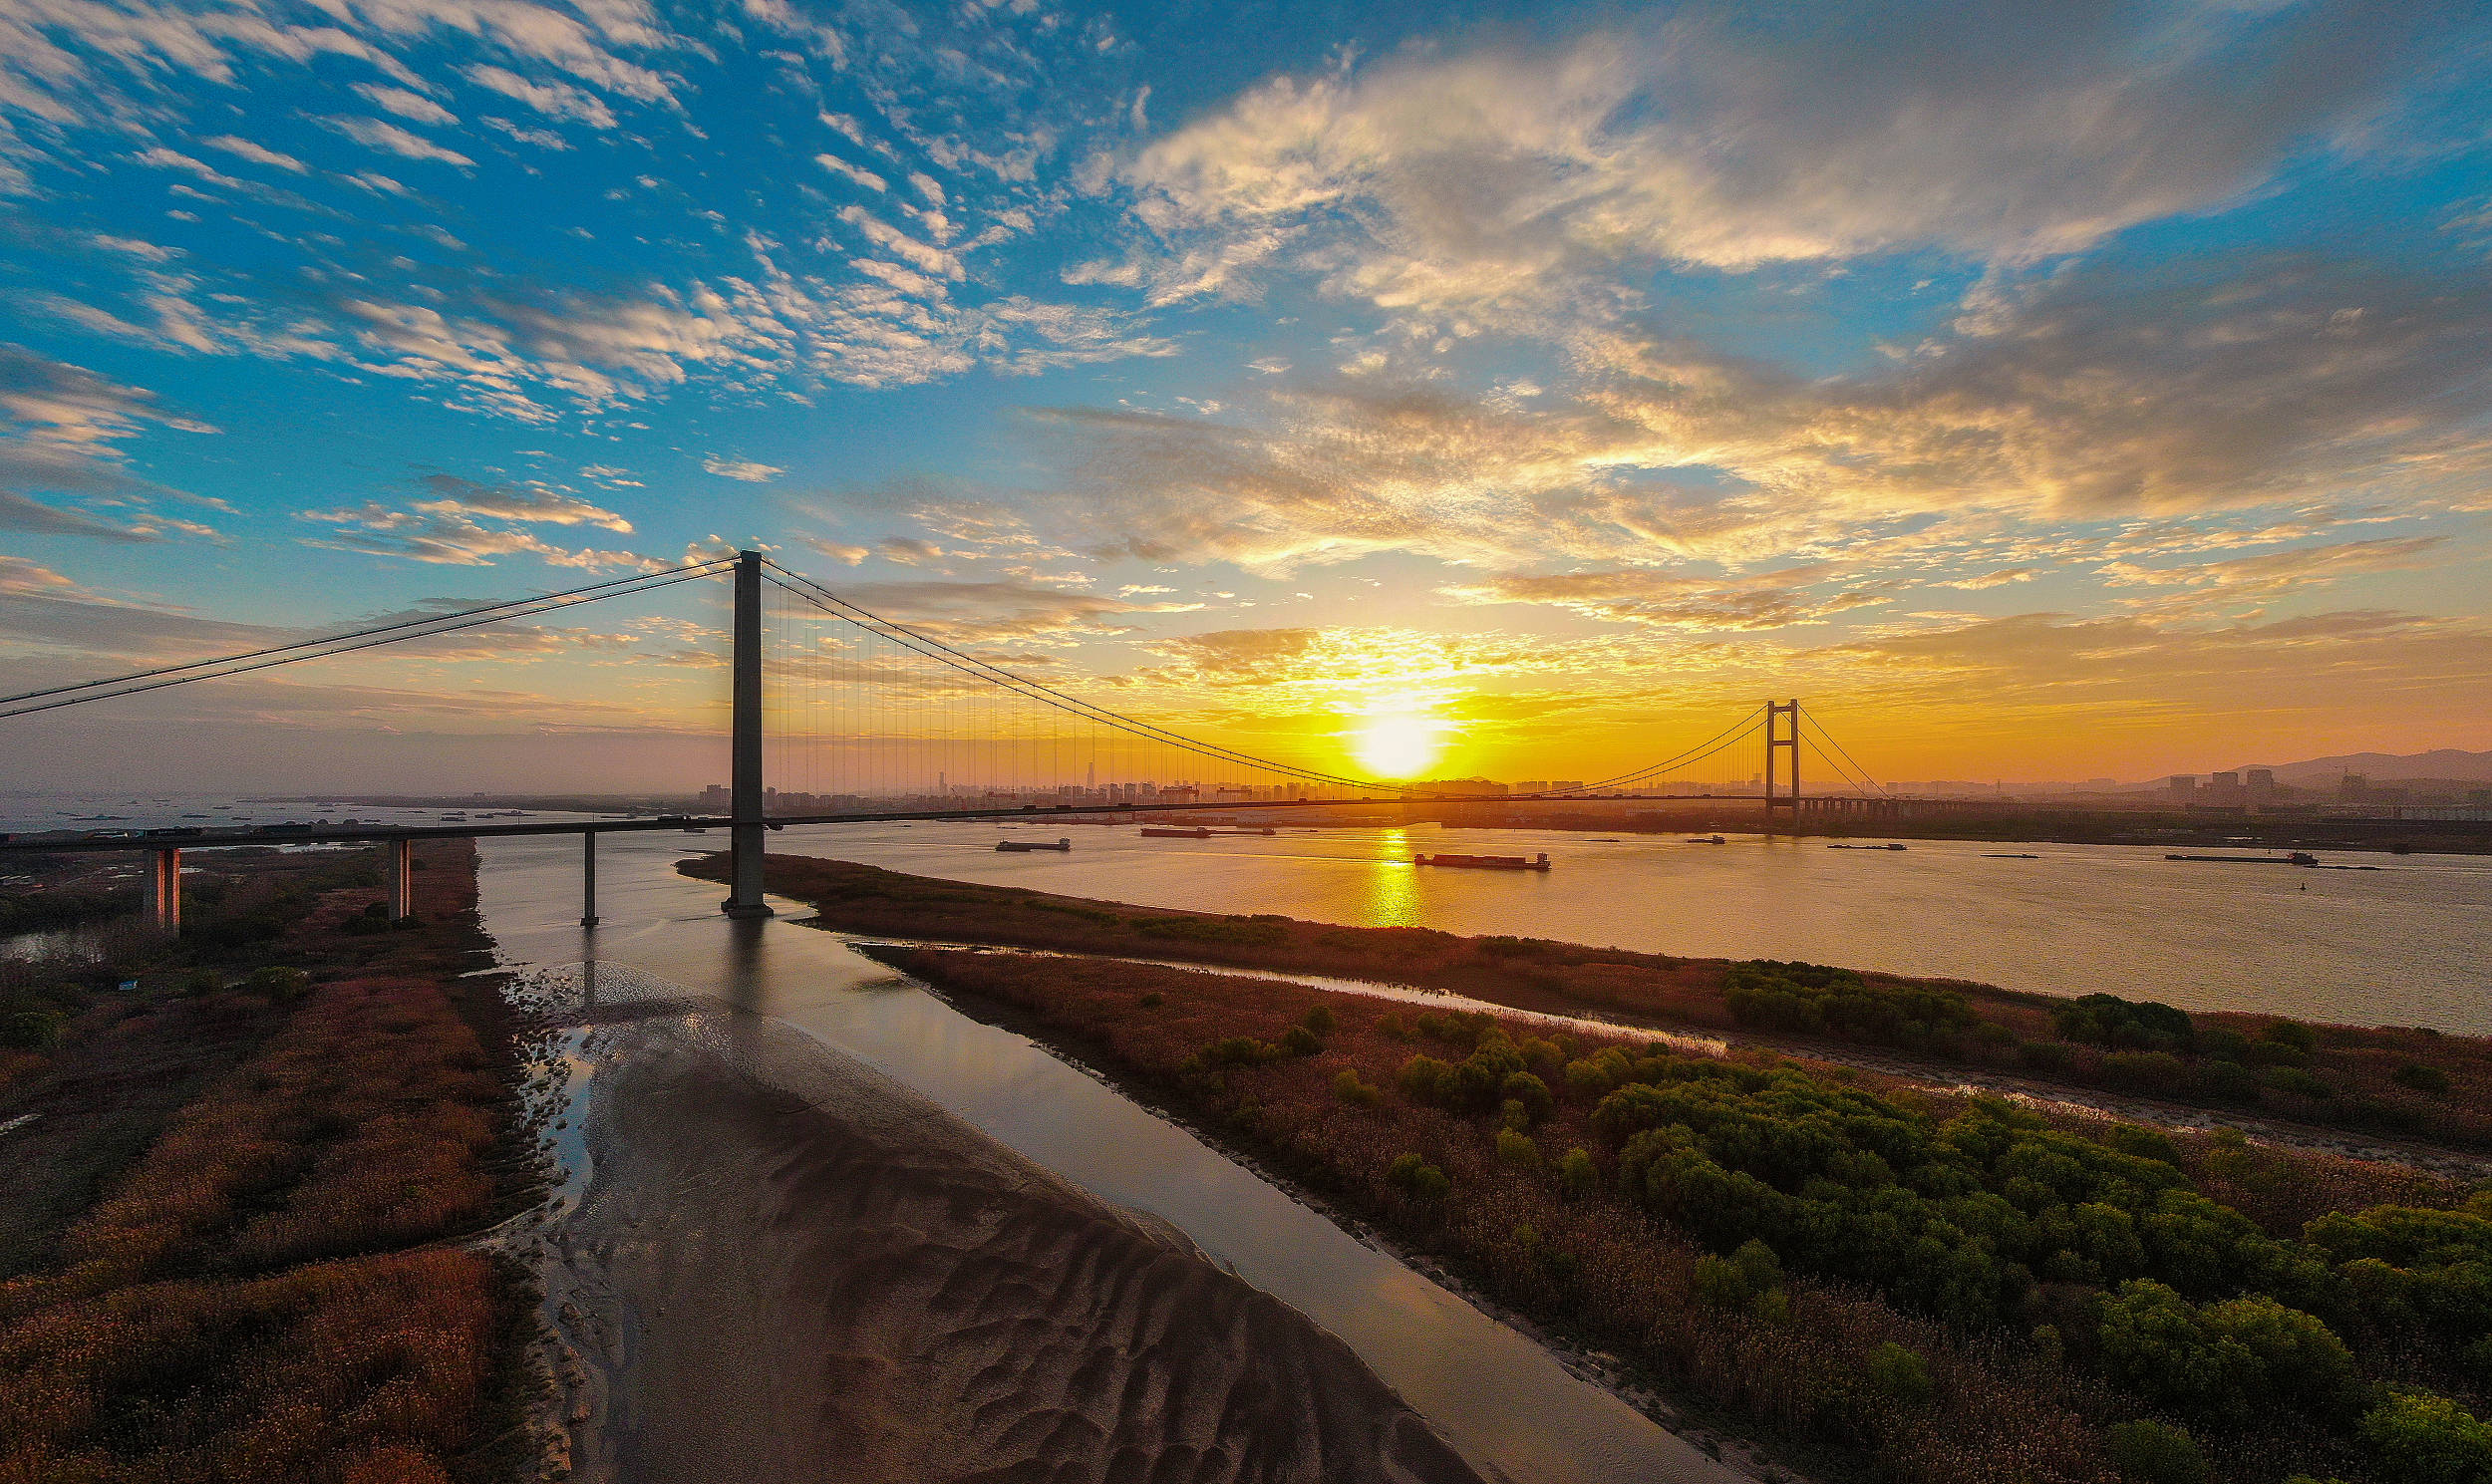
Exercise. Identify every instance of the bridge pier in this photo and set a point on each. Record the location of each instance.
(746, 832)
(165, 889)
(402, 877)
(588, 879)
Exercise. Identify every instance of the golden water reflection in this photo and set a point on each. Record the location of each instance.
(1393, 885)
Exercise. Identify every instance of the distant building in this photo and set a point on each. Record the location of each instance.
(1567, 786)
(2354, 786)
(2183, 786)
(1536, 785)
(1463, 787)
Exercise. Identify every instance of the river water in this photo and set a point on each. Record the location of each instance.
(2407, 943)
(1497, 1396)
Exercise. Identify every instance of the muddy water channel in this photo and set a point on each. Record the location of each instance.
(1503, 1403)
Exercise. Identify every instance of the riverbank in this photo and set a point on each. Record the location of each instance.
(241, 1182)
(1545, 1208)
(775, 1263)
(2389, 1083)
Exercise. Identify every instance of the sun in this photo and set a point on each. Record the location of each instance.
(1399, 745)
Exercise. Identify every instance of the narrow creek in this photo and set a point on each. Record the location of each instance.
(1499, 1397)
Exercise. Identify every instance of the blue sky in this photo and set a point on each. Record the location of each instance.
(2053, 389)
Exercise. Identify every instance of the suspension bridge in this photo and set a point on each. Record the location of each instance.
(884, 722)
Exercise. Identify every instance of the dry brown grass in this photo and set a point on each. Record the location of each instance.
(253, 1299)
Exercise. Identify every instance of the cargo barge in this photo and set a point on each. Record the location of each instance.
(1163, 832)
(1020, 845)
(1485, 862)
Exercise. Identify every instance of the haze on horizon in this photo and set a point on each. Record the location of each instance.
(2044, 391)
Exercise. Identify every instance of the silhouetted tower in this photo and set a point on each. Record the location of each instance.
(743, 785)
(1779, 738)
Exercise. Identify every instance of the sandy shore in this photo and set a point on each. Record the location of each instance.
(784, 1265)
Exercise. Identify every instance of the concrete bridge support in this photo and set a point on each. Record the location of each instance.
(402, 877)
(743, 785)
(588, 879)
(165, 889)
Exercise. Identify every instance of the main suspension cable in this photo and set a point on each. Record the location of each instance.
(440, 624)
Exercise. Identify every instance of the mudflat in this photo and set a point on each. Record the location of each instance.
(784, 1266)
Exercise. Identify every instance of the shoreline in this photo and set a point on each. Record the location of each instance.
(1667, 1407)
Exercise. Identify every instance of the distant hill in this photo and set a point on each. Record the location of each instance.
(2448, 762)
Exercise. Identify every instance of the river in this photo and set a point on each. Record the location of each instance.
(2407, 943)
(1501, 1400)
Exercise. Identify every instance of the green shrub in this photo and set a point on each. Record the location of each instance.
(2148, 1071)
(2228, 1082)
(2293, 1034)
(1320, 1021)
(2276, 1054)
(1517, 1149)
(1577, 1174)
(1151, 999)
(1417, 1177)
(2426, 1439)
(2109, 1020)
(1533, 1093)
(1349, 1089)
(2047, 1056)
(33, 1029)
(279, 982)
(1298, 1041)
(1899, 1374)
(2421, 1078)
(2149, 1452)
(1816, 1000)
(2227, 1360)
(201, 981)
(1243, 1050)
(2294, 1081)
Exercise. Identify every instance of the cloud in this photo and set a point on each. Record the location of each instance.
(530, 504)
(1762, 600)
(63, 422)
(17, 514)
(381, 134)
(745, 469)
(996, 612)
(406, 105)
(452, 532)
(2105, 388)
(2009, 132)
(244, 148)
(553, 99)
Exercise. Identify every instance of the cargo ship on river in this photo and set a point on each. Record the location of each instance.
(1485, 862)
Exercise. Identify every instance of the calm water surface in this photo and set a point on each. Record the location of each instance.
(1497, 1395)
(2407, 943)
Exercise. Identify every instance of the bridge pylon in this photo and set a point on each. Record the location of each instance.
(747, 830)
(1778, 740)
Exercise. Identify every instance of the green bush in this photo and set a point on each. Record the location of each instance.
(1530, 1092)
(1816, 1000)
(2047, 1056)
(2109, 1020)
(2293, 1034)
(1899, 1374)
(2426, 1439)
(1517, 1149)
(2421, 1078)
(2149, 1452)
(201, 981)
(1577, 1174)
(2294, 1081)
(2224, 1361)
(1151, 999)
(32, 1029)
(1320, 1021)
(1298, 1041)
(279, 982)
(1417, 1177)
(1349, 1089)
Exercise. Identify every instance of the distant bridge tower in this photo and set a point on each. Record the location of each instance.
(1779, 738)
(747, 830)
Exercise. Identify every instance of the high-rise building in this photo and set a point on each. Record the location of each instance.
(2183, 786)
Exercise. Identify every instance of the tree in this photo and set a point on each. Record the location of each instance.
(2153, 1453)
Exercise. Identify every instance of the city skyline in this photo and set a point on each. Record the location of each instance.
(1472, 391)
